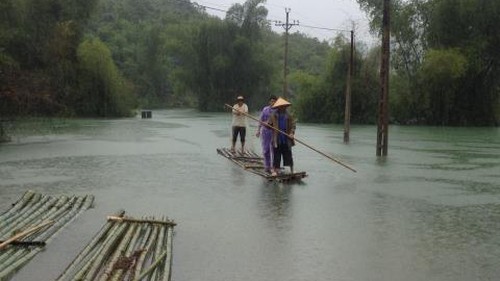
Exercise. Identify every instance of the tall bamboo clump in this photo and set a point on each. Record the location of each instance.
(126, 249)
(31, 223)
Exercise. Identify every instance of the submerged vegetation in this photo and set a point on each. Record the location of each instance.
(105, 58)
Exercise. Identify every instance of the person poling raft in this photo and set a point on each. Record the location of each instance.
(292, 137)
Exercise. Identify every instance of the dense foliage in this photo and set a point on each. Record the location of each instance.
(40, 70)
(445, 58)
(106, 58)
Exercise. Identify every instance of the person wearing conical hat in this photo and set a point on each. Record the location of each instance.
(239, 124)
(283, 121)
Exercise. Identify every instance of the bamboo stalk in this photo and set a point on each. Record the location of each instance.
(101, 256)
(87, 253)
(81, 258)
(14, 261)
(28, 195)
(82, 204)
(27, 243)
(158, 250)
(25, 233)
(143, 245)
(153, 266)
(8, 256)
(168, 262)
(63, 214)
(120, 251)
(135, 249)
(39, 208)
(297, 140)
(148, 252)
(128, 219)
(24, 218)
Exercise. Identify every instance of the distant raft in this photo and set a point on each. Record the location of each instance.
(252, 162)
(126, 249)
(31, 223)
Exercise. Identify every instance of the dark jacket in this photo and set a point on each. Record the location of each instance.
(290, 127)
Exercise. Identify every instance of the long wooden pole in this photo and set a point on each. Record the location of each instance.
(25, 233)
(293, 137)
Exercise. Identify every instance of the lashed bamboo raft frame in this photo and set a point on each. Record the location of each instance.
(126, 249)
(254, 163)
(31, 223)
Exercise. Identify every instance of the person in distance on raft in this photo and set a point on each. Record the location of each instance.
(239, 125)
(283, 121)
(266, 133)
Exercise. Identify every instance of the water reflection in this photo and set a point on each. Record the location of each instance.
(275, 203)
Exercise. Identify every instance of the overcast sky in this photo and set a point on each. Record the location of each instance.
(314, 16)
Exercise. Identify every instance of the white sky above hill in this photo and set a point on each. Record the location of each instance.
(314, 16)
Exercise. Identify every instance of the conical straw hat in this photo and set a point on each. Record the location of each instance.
(281, 102)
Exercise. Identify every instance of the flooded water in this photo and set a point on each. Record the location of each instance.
(429, 211)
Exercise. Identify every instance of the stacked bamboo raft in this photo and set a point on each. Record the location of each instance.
(252, 162)
(31, 223)
(126, 249)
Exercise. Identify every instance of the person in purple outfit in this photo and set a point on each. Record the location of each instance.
(266, 134)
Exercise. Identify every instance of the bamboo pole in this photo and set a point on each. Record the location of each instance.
(294, 138)
(103, 254)
(153, 266)
(145, 245)
(120, 251)
(82, 260)
(23, 218)
(25, 199)
(127, 219)
(158, 251)
(27, 243)
(25, 233)
(168, 261)
(39, 208)
(15, 261)
(148, 254)
(85, 253)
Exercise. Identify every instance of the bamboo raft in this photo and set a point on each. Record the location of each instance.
(126, 249)
(252, 162)
(31, 223)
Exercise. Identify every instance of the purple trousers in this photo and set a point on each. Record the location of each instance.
(266, 137)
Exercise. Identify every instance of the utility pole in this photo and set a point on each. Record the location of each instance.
(383, 110)
(287, 25)
(347, 113)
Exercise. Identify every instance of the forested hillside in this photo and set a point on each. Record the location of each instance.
(104, 58)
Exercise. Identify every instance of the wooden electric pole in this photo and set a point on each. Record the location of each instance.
(383, 106)
(347, 111)
(287, 25)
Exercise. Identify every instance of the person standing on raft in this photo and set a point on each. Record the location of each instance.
(239, 124)
(283, 121)
(266, 134)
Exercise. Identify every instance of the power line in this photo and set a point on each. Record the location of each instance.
(277, 22)
(325, 28)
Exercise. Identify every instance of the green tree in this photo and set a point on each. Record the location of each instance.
(469, 27)
(322, 98)
(473, 28)
(441, 73)
(102, 90)
(231, 59)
